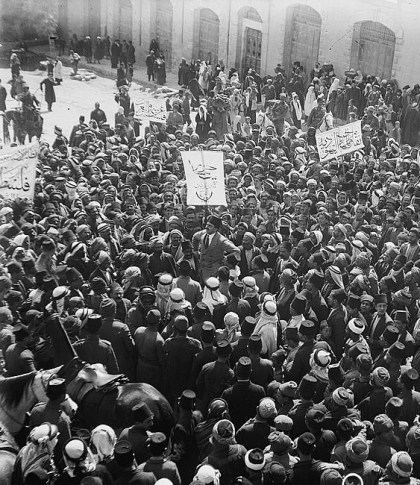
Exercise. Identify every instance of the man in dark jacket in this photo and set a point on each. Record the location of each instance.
(262, 369)
(215, 376)
(240, 347)
(256, 430)
(243, 397)
(98, 115)
(300, 365)
(118, 334)
(180, 351)
(206, 355)
(94, 350)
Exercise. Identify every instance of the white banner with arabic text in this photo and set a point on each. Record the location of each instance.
(18, 171)
(339, 141)
(149, 108)
(205, 178)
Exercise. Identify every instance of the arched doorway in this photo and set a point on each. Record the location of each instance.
(302, 34)
(248, 52)
(125, 25)
(373, 49)
(164, 20)
(206, 35)
(93, 27)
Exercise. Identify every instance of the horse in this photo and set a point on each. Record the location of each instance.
(18, 395)
(8, 453)
(327, 123)
(264, 121)
(113, 403)
(25, 122)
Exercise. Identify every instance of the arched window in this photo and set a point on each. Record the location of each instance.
(125, 26)
(302, 35)
(373, 49)
(248, 53)
(206, 35)
(164, 20)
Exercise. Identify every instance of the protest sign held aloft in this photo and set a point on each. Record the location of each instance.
(205, 178)
(339, 141)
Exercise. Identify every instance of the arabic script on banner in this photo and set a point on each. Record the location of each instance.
(151, 108)
(205, 178)
(339, 141)
(18, 171)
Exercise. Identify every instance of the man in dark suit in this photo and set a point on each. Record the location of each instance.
(248, 253)
(159, 261)
(179, 356)
(411, 249)
(213, 247)
(240, 347)
(380, 321)
(300, 366)
(244, 396)
(94, 350)
(193, 259)
(337, 318)
(262, 369)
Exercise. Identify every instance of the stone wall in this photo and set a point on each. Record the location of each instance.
(269, 17)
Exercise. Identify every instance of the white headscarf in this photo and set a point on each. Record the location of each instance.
(177, 301)
(231, 322)
(104, 439)
(130, 275)
(212, 297)
(297, 106)
(309, 100)
(202, 111)
(267, 328)
(334, 87)
(163, 292)
(336, 276)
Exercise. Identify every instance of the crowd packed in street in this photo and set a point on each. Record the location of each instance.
(271, 340)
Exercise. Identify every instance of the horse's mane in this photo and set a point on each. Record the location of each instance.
(12, 388)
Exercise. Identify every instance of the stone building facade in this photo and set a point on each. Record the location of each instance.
(378, 37)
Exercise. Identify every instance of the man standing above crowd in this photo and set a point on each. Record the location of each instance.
(213, 247)
(98, 115)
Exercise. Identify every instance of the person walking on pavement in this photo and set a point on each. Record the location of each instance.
(49, 92)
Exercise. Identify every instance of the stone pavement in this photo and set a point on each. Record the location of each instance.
(104, 69)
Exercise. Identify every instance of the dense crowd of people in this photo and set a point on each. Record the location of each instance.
(282, 328)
